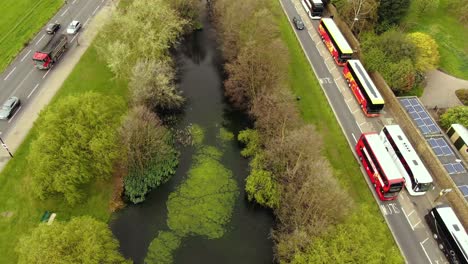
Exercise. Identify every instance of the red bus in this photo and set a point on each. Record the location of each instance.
(363, 88)
(335, 41)
(379, 166)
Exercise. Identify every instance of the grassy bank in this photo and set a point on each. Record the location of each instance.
(449, 33)
(19, 22)
(90, 74)
(315, 110)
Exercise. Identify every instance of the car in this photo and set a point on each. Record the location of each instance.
(298, 23)
(9, 107)
(74, 26)
(52, 28)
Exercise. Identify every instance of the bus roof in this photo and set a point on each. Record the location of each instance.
(453, 224)
(317, 2)
(337, 36)
(406, 149)
(385, 161)
(366, 81)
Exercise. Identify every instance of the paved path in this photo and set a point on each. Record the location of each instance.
(18, 132)
(440, 90)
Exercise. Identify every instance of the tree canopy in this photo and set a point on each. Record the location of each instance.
(455, 115)
(150, 155)
(76, 142)
(144, 30)
(81, 240)
(427, 55)
(391, 12)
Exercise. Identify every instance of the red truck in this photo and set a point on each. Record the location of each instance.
(52, 51)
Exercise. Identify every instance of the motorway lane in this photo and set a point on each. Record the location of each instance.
(21, 79)
(410, 234)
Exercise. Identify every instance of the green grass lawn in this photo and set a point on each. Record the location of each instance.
(90, 74)
(20, 20)
(315, 109)
(449, 33)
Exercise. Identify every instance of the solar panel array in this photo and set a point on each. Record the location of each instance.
(440, 147)
(421, 118)
(464, 190)
(454, 168)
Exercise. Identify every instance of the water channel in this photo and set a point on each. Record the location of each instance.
(246, 239)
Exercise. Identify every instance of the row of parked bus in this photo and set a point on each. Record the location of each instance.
(389, 159)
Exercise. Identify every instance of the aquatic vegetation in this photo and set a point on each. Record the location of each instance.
(225, 135)
(161, 248)
(197, 133)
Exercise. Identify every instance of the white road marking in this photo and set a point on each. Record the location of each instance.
(47, 73)
(411, 213)
(349, 100)
(17, 111)
(407, 219)
(73, 38)
(64, 12)
(383, 209)
(362, 123)
(417, 223)
(425, 252)
(73, 2)
(40, 39)
(8, 75)
(26, 56)
(354, 137)
(94, 12)
(358, 125)
(34, 89)
(87, 20)
(21, 83)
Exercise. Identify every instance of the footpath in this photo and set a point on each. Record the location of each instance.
(440, 90)
(17, 133)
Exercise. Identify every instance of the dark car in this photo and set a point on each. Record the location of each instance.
(52, 28)
(9, 107)
(298, 23)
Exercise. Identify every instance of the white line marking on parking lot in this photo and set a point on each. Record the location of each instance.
(407, 219)
(417, 223)
(425, 252)
(34, 89)
(8, 75)
(14, 114)
(354, 137)
(411, 213)
(358, 125)
(362, 123)
(64, 12)
(96, 9)
(40, 39)
(357, 109)
(26, 56)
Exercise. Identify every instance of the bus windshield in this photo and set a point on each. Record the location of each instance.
(396, 187)
(422, 187)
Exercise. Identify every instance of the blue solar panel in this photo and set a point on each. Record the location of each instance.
(414, 115)
(438, 151)
(423, 114)
(418, 109)
(419, 122)
(418, 112)
(405, 102)
(441, 142)
(450, 168)
(464, 190)
(447, 151)
(459, 168)
(433, 142)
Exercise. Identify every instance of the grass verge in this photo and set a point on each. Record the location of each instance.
(449, 33)
(20, 20)
(90, 74)
(315, 109)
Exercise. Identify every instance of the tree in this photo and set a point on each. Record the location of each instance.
(152, 84)
(426, 6)
(76, 143)
(150, 155)
(460, 9)
(360, 15)
(189, 10)
(81, 240)
(390, 13)
(455, 115)
(427, 56)
(128, 38)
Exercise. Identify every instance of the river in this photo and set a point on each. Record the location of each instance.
(247, 235)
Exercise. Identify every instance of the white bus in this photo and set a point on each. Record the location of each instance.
(314, 8)
(449, 234)
(417, 178)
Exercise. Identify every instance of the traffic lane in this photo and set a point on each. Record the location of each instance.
(398, 226)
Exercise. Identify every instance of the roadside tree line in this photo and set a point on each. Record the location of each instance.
(84, 138)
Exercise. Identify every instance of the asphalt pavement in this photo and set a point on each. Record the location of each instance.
(404, 216)
(21, 78)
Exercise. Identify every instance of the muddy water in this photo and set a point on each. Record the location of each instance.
(246, 239)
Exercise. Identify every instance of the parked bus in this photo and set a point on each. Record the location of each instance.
(449, 234)
(417, 178)
(335, 41)
(313, 8)
(363, 88)
(379, 166)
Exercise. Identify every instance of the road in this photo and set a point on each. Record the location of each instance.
(21, 78)
(404, 216)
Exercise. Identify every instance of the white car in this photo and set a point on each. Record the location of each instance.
(74, 26)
